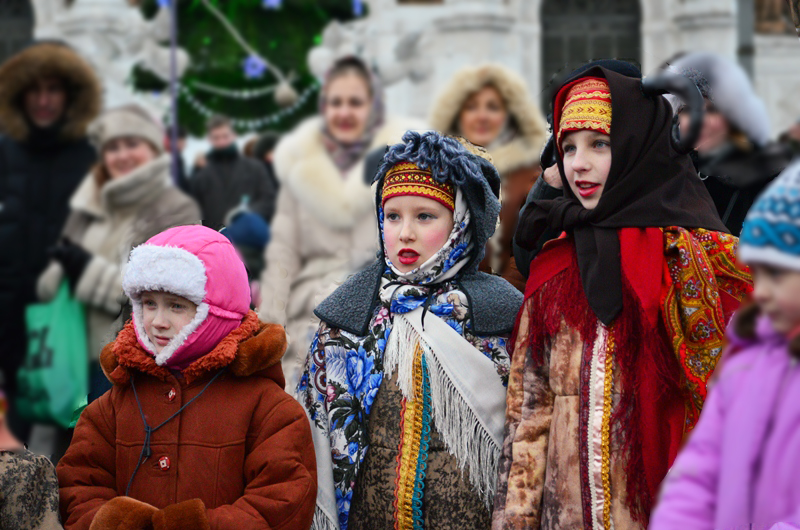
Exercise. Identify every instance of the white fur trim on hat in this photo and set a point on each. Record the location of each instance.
(752, 255)
(169, 269)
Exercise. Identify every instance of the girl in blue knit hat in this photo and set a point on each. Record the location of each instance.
(740, 466)
(406, 378)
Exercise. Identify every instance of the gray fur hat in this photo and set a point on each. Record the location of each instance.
(727, 85)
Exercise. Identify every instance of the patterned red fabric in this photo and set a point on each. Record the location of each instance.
(700, 294)
(663, 380)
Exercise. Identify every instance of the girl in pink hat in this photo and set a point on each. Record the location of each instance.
(197, 431)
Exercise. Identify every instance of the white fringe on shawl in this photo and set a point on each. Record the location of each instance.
(468, 413)
(322, 521)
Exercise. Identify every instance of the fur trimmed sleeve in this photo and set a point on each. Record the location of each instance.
(283, 259)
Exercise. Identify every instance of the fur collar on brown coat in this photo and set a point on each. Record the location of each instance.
(524, 149)
(47, 59)
(254, 348)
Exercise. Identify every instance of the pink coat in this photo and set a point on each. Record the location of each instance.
(741, 466)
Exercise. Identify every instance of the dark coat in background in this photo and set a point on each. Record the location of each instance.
(39, 172)
(221, 185)
(737, 171)
(735, 178)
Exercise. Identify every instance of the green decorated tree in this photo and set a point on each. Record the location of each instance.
(233, 45)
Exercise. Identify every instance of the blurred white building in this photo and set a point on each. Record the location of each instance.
(539, 38)
(418, 44)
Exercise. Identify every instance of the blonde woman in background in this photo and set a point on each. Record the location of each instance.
(490, 106)
(127, 198)
(324, 227)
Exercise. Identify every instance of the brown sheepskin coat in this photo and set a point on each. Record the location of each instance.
(240, 456)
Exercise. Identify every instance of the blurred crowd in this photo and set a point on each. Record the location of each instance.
(81, 186)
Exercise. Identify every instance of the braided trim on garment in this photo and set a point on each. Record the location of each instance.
(407, 488)
(607, 405)
(425, 437)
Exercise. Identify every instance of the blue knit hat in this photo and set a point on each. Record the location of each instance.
(771, 232)
(248, 229)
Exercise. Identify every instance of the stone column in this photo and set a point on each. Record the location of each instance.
(707, 25)
(776, 81)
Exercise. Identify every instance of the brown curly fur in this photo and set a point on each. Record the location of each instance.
(44, 60)
(123, 513)
(251, 348)
(186, 514)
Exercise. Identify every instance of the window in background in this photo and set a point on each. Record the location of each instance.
(577, 31)
(16, 26)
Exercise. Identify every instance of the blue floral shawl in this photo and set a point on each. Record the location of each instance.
(344, 372)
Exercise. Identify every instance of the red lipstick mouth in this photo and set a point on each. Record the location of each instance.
(586, 188)
(408, 256)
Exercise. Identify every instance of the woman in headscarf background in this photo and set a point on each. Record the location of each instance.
(128, 197)
(490, 106)
(623, 318)
(324, 224)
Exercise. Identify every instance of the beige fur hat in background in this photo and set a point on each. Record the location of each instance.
(127, 120)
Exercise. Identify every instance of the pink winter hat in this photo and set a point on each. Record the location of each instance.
(200, 265)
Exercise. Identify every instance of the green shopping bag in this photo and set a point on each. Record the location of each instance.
(53, 381)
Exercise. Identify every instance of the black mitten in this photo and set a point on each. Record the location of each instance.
(73, 258)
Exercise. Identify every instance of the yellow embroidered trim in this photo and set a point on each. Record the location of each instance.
(606, 432)
(588, 124)
(419, 189)
(598, 111)
(601, 94)
(409, 450)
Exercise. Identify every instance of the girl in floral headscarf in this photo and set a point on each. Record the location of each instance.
(405, 381)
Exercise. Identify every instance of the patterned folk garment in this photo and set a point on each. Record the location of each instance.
(596, 414)
(28, 491)
(431, 356)
(345, 373)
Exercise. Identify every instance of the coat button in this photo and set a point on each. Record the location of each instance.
(171, 395)
(163, 463)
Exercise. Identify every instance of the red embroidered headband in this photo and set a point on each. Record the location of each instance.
(407, 179)
(586, 105)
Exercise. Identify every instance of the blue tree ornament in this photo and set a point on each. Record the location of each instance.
(272, 4)
(254, 67)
